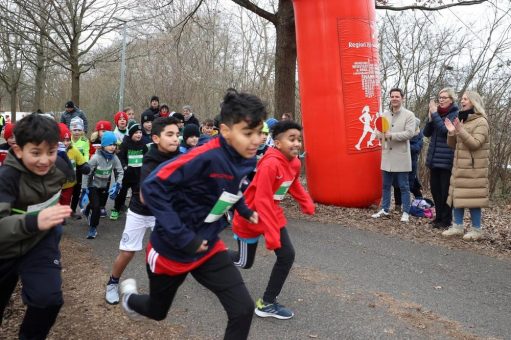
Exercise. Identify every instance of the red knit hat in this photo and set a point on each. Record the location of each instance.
(8, 131)
(64, 132)
(120, 115)
(104, 125)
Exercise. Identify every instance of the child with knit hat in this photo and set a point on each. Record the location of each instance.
(191, 134)
(10, 140)
(95, 137)
(77, 161)
(147, 124)
(95, 185)
(121, 126)
(82, 144)
(132, 151)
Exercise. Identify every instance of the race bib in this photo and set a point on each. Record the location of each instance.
(224, 203)
(135, 159)
(103, 172)
(35, 208)
(282, 191)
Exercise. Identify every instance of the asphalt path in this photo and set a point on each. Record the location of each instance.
(346, 284)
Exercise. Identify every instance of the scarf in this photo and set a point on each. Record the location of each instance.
(107, 155)
(442, 111)
(463, 115)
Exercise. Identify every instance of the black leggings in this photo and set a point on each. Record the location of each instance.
(220, 276)
(76, 190)
(245, 257)
(120, 200)
(97, 199)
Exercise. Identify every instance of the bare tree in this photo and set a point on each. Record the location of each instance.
(12, 61)
(72, 29)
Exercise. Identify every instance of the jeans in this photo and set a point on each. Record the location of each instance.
(402, 181)
(475, 216)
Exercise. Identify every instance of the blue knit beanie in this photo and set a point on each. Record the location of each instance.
(108, 138)
(271, 122)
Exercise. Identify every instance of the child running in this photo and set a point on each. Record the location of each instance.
(77, 161)
(189, 196)
(278, 172)
(139, 218)
(131, 154)
(30, 224)
(95, 185)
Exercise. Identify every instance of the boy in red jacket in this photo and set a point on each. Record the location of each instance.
(278, 172)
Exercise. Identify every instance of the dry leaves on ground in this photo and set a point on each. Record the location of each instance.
(85, 314)
(496, 226)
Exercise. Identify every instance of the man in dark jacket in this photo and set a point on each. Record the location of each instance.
(440, 155)
(154, 107)
(71, 112)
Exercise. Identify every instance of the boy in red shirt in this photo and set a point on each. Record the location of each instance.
(278, 172)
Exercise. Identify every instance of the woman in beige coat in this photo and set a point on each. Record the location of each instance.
(469, 136)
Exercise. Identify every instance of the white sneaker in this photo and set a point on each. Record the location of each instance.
(381, 213)
(112, 293)
(129, 287)
(454, 230)
(473, 235)
(405, 217)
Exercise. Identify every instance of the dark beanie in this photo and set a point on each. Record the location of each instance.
(190, 130)
(70, 105)
(155, 98)
(179, 116)
(146, 117)
(133, 127)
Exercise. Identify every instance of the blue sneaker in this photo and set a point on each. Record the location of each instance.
(274, 310)
(92, 233)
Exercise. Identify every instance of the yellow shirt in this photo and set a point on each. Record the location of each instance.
(76, 158)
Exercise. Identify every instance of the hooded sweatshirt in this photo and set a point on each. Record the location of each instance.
(152, 159)
(101, 171)
(275, 176)
(22, 195)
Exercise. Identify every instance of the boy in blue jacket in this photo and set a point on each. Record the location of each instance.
(189, 196)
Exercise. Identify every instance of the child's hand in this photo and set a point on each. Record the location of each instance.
(50, 217)
(203, 247)
(254, 218)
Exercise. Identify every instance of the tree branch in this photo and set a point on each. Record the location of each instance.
(426, 8)
(257, 10)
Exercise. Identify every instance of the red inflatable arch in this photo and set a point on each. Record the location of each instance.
(340, 98)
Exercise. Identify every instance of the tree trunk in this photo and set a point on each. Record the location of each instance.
(14, 102)
(285, 59)
(40, 77)
(75, 83)
(40, 80)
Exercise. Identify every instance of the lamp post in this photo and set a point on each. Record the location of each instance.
(123, 68)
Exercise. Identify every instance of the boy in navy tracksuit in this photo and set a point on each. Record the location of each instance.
(165, 146)
(30, 223)
(189, 196)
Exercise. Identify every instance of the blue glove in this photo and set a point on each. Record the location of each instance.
(114, 191)
(84, 198)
